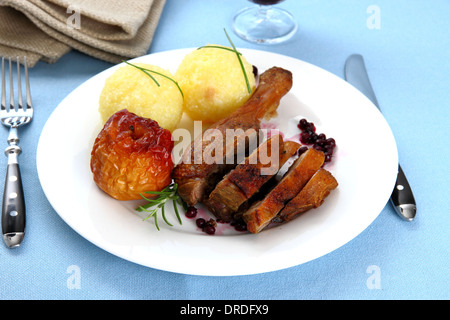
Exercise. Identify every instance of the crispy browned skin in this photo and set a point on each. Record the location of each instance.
(249, 177)
(244, 181)
(261, 213)
(193, 179)
(228, 192)
(311, 196)
(226, 197)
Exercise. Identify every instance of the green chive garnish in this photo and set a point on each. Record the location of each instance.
(238, 55)
(148, 72)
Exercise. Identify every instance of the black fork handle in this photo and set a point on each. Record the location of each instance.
(13, 208)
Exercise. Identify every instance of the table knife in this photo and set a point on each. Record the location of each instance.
(402, 197)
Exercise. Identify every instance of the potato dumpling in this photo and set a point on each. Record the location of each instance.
(213, 83)
(132, 89)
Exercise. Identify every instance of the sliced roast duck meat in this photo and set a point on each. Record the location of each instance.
(195, 180)
(261, 213)
(195, 176)
(247, 179)
(311, 196)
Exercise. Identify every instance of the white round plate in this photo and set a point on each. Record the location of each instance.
(366, 177)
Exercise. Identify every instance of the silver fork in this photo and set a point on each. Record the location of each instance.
(13, 209)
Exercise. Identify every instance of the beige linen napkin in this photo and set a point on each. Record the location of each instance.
(111, 30)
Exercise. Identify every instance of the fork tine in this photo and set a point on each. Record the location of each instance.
(19, 85)
(29, 104)
(11, 87)
(3, 105)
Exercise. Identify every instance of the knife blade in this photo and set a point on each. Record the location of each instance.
(402, 197)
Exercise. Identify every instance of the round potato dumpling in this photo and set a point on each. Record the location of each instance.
(132, 89)
(213, 83)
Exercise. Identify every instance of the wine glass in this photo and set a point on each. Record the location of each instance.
(264, 23)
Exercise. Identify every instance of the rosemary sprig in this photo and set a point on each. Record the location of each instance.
(238, 55)
(148, 72)
(154, 204)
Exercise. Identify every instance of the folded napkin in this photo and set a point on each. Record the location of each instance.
(111, 30)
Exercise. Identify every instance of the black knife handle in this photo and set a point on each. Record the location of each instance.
(402, 197)
(13, 209)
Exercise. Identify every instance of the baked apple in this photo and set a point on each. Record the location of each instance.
(131, 155)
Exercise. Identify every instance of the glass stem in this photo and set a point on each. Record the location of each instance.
(263, 10)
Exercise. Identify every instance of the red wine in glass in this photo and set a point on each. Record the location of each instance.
(264, 23)
(266, 2)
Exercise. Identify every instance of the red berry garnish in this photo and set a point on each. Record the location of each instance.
(305, 137)
(240, 226)
(302, 150)
(209, 229)
(319, 142)
(200, 222)
(191, 212)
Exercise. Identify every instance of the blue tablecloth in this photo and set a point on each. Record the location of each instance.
(407, 52)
